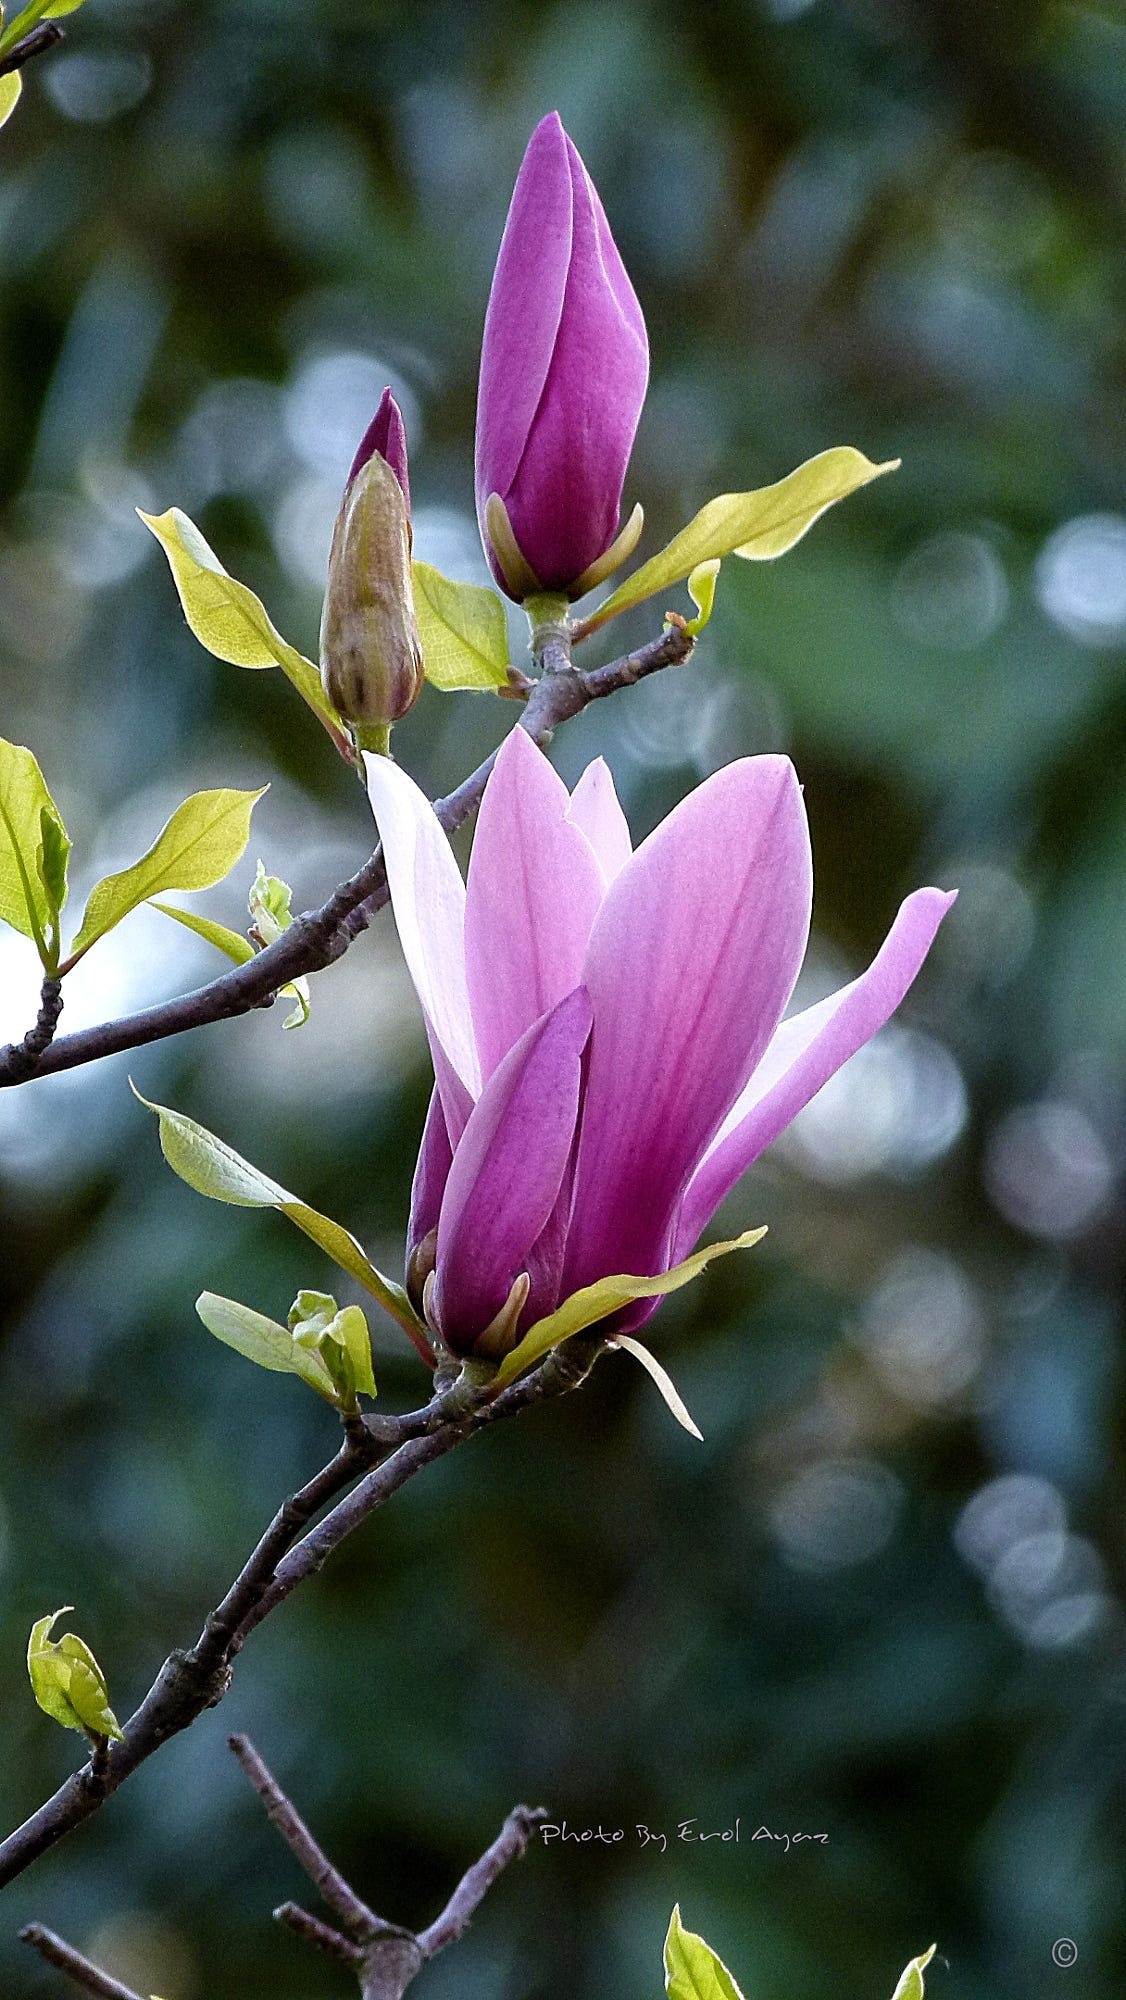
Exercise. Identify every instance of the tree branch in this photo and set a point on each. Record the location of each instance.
(36, 42)
(510, 1844)
(22, 1059)
(283, 1814)
(385, 1957)
(190, 1682)
(319, 937)
(84, 1974)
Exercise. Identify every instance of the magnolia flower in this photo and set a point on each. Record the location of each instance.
(607, 1026)
(371, 658)
(564, 369)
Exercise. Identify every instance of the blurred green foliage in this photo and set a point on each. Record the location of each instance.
(883, 1600)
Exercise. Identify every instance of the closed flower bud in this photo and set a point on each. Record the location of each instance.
(371, 658)
(564, 369)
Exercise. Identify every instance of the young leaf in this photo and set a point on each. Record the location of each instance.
(216, 1170)
(758, 526)
(463, 630)
(231, 621)
(692, 1969)
(271, 912)
(198, 846)
(263, 1341)
(594, 1302)
(340, 1337)
(231, 943)
(663, 1380)
(239, 948)
(701, 589)
(67, 1681)
(28, 901)
(51, 858)
(10, 88)
(911, 1985)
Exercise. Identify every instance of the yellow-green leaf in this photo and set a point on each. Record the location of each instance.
(463, 630)
(692, 1969)
(263, 1341)
(594, 1302)
(758, 526)
(33, 850)
(231, 621)
(216, 1170)
(701, 589)
(911, 1985)
(10, 88)
(66, 1680)
(198, 846)
(231, 943)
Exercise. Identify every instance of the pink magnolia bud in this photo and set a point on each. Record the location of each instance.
(371, 658)
(564, 369)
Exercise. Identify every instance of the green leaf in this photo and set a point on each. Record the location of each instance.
(27, 901)
(701, 589)
(911, 1984)
(594, 1302)
(270, 905)
(231, 621)
(758, 526)
(231, 943)
(463, 629)
(216, 1170)
(10, 88)
(67, 1681)
(692, 1969)
(264, 1342)
(199, 845)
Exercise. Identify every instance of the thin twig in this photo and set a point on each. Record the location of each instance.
(322, 1936)
(36, 42)
(283, 1814)
(57, 1952)
(510, 1844)
(318, 938)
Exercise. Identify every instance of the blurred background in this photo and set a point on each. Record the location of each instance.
(884, 1600)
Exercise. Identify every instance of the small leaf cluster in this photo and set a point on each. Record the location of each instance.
(67, 1681)
(197, 847)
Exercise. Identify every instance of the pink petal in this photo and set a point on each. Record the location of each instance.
(525, 305)
(430, 1175)
(691, 962)
(594, 808)
(508, 1170)
(804, 1054)
(428, 897)
(534, 891)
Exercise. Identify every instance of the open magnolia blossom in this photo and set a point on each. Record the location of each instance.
(607, 1031)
